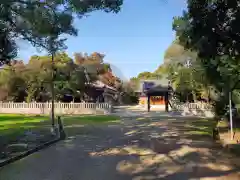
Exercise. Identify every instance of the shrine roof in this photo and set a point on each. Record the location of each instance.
(163, 82)
(158, 90)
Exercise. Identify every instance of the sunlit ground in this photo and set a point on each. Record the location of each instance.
(170, 152)
(157, 165)
(15, 128)
(139, 148)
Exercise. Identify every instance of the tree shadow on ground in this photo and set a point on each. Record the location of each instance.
(19, 134)
(153, 148)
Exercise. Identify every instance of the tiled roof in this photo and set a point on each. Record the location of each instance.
(162, 82)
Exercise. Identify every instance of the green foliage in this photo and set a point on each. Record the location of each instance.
(173, 51)
(32, 81)
(135, 81)
(190, 82)
(14, 126)
(148, 75)
(161, 70)
(236, 97)
(129, 95)
(210, 28)
(129, 99)
(8, 49)
(42, 22)
(220, 106)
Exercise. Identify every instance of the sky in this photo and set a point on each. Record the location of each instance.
(134, 40)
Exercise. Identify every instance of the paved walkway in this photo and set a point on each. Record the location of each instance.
(149, 147)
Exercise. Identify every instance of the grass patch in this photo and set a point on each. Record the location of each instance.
(224, 126)
(236, 129)
(13, 130)
(201, 127)
(13, 126)
(19, 123)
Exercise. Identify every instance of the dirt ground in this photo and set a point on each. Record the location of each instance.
(145, 146)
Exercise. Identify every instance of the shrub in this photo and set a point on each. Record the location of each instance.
(220, 107)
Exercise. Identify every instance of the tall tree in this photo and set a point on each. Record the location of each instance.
(211, 29)
(36, 21)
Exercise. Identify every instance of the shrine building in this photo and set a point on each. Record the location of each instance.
(154, 94)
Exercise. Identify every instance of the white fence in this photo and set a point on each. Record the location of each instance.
(186, 109)
(198, 109)
(193, 106)
(60, 108)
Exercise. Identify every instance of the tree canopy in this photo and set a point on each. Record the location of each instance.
(31, 81)
(210, 28)
(185, 72)
(40, 21)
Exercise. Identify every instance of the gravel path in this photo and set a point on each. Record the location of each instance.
(148, 147)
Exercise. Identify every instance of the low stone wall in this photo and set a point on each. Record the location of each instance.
(185, 109)
(60, 108)
(194, 109)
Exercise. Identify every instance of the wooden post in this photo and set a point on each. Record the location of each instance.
(148, 102)
(230, 114)
(166, 101)
(60, 128)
